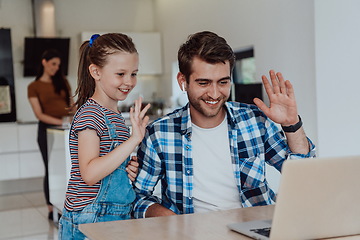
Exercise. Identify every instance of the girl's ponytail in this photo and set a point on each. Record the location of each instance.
(86, 83)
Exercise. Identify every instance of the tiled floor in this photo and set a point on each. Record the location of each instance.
(24, 216)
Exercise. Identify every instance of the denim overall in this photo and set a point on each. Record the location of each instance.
(113, 201)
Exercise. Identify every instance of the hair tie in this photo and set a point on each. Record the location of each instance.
(92, 39)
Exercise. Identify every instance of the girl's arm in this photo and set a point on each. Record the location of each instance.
(94, 168)
(35, 105)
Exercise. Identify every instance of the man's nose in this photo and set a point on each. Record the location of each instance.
(214, 91)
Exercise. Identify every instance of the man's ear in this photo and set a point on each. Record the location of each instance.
(181, 81)
(94, 71)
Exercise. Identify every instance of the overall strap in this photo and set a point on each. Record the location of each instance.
(111, 128)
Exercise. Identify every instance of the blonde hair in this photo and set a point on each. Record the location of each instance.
(96, 53)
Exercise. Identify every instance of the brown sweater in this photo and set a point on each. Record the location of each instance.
(52, 104)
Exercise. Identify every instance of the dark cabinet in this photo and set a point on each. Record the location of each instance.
(245, 93)
(7, 88)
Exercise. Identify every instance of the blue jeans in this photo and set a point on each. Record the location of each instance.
(95, 212)
(113, 202)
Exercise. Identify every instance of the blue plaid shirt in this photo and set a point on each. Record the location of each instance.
(165, 155)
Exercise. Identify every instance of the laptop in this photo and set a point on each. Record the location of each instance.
(317, 198)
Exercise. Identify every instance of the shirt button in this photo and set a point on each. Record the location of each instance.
(188, 171)
(187, 147)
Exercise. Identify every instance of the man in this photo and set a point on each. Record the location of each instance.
(211, 154)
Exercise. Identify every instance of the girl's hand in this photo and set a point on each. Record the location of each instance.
(138, 119)
(132, 168)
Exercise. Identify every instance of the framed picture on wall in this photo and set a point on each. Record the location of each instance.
(5, 100)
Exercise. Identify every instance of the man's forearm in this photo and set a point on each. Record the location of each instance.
(298, 142)
(157, 210)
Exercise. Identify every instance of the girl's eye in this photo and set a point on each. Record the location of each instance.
(120, 74)
(134, 74)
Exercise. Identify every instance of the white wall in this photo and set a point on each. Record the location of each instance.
(315, 43)
(72, 18)
(281, 31)
(337, 76)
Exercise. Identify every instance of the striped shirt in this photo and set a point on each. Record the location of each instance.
(91, 115)
(165, 155)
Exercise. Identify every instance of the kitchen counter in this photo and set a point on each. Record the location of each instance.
(59, 166)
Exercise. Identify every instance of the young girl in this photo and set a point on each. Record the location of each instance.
(50, 98)
(100, 143)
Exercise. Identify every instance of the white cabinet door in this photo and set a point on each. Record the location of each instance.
(31, 165)
(28, 137)
(19, 153)
(9, 169)
(8, 138)
(9, 156)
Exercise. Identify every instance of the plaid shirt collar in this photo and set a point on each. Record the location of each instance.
(186, 118)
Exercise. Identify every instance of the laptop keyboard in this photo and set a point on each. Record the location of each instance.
(262, 231)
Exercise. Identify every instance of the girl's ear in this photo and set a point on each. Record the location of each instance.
(94, 71)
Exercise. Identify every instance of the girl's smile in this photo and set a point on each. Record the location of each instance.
(115, 80)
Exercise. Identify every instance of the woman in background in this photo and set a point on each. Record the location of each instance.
(50, 98)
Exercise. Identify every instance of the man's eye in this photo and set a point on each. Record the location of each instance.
(224, 82)
(203, 83)
(121, 74)
(134, 74)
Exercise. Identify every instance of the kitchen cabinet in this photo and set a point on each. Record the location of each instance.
(148, 45)
(9, 157)
(31, 165)
(9, 166)
(8, 138)
(19, 153)
(30, 159)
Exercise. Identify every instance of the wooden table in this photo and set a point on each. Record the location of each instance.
(200, 226)
(205, 226)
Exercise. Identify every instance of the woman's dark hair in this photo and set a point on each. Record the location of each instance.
(96, 52)
(207, 46)
(58, 80)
